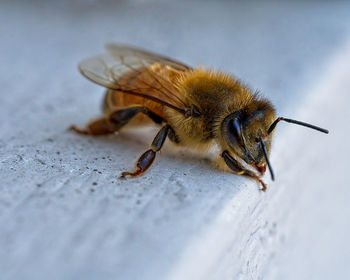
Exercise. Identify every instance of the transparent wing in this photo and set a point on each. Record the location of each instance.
(129, 51)
(138, 72)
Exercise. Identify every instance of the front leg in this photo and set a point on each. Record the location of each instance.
(146, 159)
(238, 169)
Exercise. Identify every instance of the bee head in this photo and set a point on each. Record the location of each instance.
(245, 133)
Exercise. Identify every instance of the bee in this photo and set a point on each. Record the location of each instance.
(194, 107)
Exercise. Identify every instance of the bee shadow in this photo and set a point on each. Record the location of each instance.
(131, 143)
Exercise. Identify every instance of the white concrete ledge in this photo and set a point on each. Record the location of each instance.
(65, 215)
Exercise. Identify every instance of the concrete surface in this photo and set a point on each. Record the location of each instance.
(65, 215)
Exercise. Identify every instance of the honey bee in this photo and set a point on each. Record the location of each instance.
(195, 107)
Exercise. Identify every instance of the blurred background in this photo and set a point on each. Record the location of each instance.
(65, 215)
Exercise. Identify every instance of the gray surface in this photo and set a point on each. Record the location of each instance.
(63, 212)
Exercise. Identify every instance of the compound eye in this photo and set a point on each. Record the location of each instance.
(235, 132)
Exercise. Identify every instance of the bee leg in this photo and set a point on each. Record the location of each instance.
(98, 127)
(121, 117)
(115, 121)
(237, 168)
(172, 136)
(146, 159)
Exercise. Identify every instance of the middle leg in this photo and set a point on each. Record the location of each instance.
(146, 159)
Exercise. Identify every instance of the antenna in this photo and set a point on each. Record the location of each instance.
(267, 159)
(273, 125)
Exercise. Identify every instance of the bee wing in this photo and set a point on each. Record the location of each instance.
(138, 72)
(129, 51)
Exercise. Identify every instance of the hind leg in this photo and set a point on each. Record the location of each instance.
(98, 127)
(115, 121)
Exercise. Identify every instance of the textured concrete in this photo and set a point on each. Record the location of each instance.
(64, 214)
